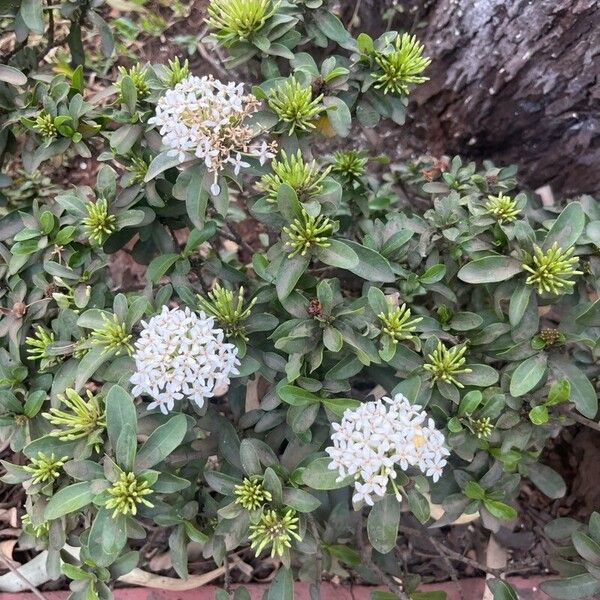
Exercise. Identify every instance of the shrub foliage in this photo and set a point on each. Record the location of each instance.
(233, 398)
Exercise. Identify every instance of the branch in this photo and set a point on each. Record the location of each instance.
(365, 554)
(22, 577)
(587, 422)
(319, 556)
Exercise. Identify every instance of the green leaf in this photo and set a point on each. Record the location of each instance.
(586, 547)
(382, 524)
(68, 500)
(126, 448)
(318, 476)
(567, 228)
(90, 363)
(161, 443)
(538, 415)
(474, 491)
(339, 405)
(282, 587)
(572, 588)
(250, 458)
(582, 391)
(499, 509)
(528, 374)
(338, 254)
(288, 203)
(160, 265)
(480, 376)
(419, 505)
(32, 13)
(290, 271)
(196, 199)
(11, 75)
(502, 590)
(490, 269)
(120, 411)
(107, 538)
(331, 27)
(433, 274)
(296, 396)
(469, 403)
(332, 339)
(548, 481)
(300, 500)
(161, 162)
(519, 301)
(371, 266)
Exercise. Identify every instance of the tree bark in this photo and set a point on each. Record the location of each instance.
(515, 81)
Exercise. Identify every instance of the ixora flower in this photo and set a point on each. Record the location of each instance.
(207, 118)
(275, 530)
(551, 270)
(180, 354)
(375, 438)
(233, 20)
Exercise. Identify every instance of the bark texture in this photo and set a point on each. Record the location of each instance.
(517, 81)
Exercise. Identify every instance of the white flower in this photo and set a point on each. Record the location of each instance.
(180, 354)
(375, 438)
(208, 118)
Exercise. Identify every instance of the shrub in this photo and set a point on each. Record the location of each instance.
(391, 335)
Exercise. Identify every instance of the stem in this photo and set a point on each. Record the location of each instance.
(365, 554)
(319, 555)
(587, 422)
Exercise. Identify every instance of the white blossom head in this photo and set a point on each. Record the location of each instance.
(206, 118)
(179, 355)
(375, 438)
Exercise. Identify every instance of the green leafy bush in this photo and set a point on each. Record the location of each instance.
(234, 399)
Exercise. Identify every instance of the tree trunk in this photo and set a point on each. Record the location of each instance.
(516, 81)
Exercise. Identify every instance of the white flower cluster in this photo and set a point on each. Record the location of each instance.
(180, 354)
(376, 437)
(205, 117)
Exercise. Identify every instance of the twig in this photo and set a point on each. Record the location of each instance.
(450, 553)
(365, 554)
(587, 422)
(22, 577)
(319, 555)
(236, 237)
(226, 575)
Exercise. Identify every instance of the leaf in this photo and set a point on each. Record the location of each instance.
(107, 538)
(519, 301)
(120, 411)
(161, 443)
(318, 476)
(32, 13)
(249, 458)
(538, 415)
(419, 505)
(382, 524)
(331, 27)
(282, 587)
(567, 228)
(528, 374)
(160, 265)
(586, 547)
(338, 254)
(500, 510)
(490, 269)
(572, 588)
(480, 376)
(371, 266)
(161, 162)
(582, 391)
(68, 500)
(196, 199)
(548, 481)
(11, 75)
(502, 590)
(296, 396)
(300, 500)
(339, 405)
(90, 363)
(290, 271)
